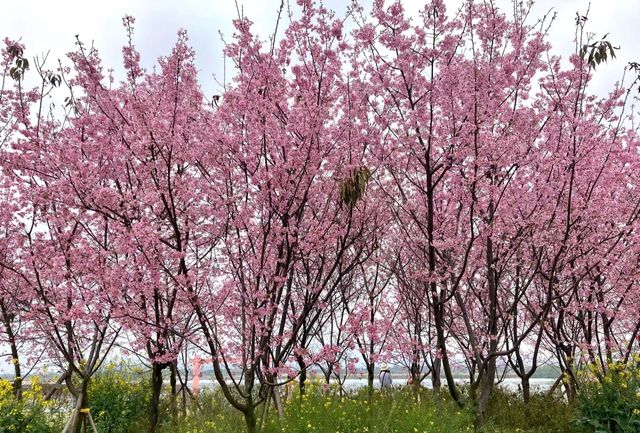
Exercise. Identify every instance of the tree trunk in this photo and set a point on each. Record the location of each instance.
(278, 402)
(442, 347)
(184, 400)
(174, 390)
(526, 389)
(55, 388)
(250, 419)
(156, 389)
(568, 378)
(303, 375)
(370, 376)
(414, 373)
(436, 380)
(489, 375)
(486, 387)
(249, 410)
(265, 410)
(570, 389)
(327, 374)
(79, 419)
(15, 360)
(550, 391)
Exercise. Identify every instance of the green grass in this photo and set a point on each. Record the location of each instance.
(397, 412)
(543, 414)
(400, 411)
(119, 403)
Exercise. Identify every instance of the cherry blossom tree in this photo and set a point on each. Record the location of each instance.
(142, 175)
(474, 168)
(434, 190)
(291, 177)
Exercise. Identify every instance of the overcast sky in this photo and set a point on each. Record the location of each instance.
(51, 25)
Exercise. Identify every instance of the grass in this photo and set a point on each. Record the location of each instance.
(397, 412)
(543, 414)
(400, 411)
(119, 404)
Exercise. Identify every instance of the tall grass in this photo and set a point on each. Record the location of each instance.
(119, 404)
(543, 414)
(403, 410)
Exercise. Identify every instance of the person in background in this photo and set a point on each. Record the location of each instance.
(385, 377)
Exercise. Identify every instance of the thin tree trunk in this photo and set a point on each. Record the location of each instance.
(156, 389)
(526, 389)
(15, 360)
(442, 347)
(278, 402)
(553, 388)
(436, 380)
(174, 390)
(55, 387)
(250, 419)
(303, 375)
(265, 411)
(486, 387)
(489, 375)
(78, 419)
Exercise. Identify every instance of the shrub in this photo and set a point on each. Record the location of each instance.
(119, 400)
(508, 412)
(31, 414)
(610, 403)
(210, 413)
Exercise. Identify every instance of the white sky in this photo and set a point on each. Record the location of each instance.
(45, 25)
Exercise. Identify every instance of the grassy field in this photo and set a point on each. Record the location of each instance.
(119, 405)
(399, 411)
